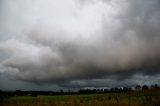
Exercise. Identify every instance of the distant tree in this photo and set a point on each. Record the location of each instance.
(125, 88)
(138, 87)
(69, 92)
(61, 91)
(106, 90)
(34, 93)
(115, 90)
(156, 86)
(144, 87)
(18, 92)
(2, 95)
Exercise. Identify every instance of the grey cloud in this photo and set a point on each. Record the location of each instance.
(121, 47)
(106, 82)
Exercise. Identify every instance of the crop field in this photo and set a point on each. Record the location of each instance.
(136, 98)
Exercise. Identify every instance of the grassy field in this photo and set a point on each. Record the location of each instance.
(138, 98)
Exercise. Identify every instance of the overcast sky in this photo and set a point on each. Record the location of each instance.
(70, 44)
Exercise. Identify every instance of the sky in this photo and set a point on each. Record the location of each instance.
(72, 44)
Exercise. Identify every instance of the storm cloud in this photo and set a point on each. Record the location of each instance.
(80, 43)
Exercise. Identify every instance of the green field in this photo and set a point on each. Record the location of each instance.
(137, 98)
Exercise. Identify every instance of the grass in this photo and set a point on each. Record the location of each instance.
(140, 98)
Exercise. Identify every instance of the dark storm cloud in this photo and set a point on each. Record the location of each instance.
(82, 44)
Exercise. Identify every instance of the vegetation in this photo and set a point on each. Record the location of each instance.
(145, 97)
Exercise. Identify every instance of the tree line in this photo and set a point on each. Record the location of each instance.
(4, 94)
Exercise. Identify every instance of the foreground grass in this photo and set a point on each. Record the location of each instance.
(140, 98)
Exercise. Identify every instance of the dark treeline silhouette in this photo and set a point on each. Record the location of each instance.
(4, 94)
